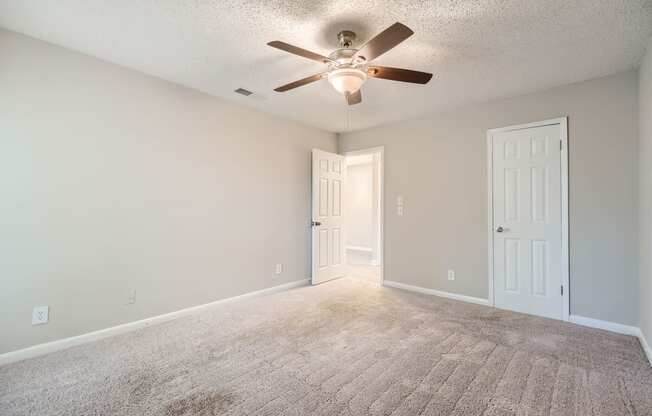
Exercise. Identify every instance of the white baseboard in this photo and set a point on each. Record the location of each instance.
(48, 347)
(645, 346)
(615, 327)
(606, 325)
(576, 319)
(433, 292)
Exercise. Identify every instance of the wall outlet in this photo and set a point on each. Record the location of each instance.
(131, 297)
(451, 275)
(40, 315)
(279, 268)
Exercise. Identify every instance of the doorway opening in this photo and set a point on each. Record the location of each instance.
(364, 214)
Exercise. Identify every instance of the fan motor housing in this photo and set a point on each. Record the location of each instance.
(345, 58)
(346, 38)
(342, 56)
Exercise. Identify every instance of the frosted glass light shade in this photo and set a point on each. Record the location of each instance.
(347, 80)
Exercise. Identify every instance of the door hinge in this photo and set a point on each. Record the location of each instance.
(562, 290)
(561, 145)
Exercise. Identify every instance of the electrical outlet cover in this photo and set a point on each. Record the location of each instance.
(40, 315)
(131, 298)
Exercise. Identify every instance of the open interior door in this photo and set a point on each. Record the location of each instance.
(328, 181)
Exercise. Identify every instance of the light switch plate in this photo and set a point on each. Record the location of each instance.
(451, 275)
(279, 268)
(40, 315)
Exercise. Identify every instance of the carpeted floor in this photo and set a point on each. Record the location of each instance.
(346, 347)
(365, 272)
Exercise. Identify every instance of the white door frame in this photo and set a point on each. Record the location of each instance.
(563, 124)
(381, 233)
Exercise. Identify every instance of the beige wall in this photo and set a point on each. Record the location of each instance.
(359, 201)
(438, 164)
(111, 180)
(645, 194)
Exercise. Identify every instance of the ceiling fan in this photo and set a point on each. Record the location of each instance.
(349, 68)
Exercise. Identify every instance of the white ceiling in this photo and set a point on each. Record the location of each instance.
(477, 49)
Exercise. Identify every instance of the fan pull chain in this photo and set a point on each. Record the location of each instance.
(348, 117)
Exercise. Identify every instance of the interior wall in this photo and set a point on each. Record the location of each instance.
(645, 194)
(113, 181)
(439, 165)
(359, 205)
(362, 209)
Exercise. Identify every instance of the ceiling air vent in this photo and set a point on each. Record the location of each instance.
(244, 92)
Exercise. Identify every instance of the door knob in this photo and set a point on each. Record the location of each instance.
(316, 223)
(500, 229)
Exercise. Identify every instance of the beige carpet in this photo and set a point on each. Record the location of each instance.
(365, 272)
(346, 347)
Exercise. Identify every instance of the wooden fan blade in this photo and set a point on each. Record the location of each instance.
(399, 74)
(355, 98)
(300, 83)
(385, 41)
(299, 51)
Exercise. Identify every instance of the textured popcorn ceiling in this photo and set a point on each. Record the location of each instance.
(477, 49)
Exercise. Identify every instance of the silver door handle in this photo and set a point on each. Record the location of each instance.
(500, 229)
(316, 223)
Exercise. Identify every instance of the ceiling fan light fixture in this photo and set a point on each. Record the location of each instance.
(348, 66)
(347, 80)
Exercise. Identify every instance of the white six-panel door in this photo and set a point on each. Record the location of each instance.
(328, 250)
(527, 220)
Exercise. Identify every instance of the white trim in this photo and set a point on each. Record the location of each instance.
(645, 346)
(606, 325)
(565, 248)
(565, 272)
(48, 347)
(380, 150)
(575, 319)
(439, 293)
(490, 219)
(549, 122)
